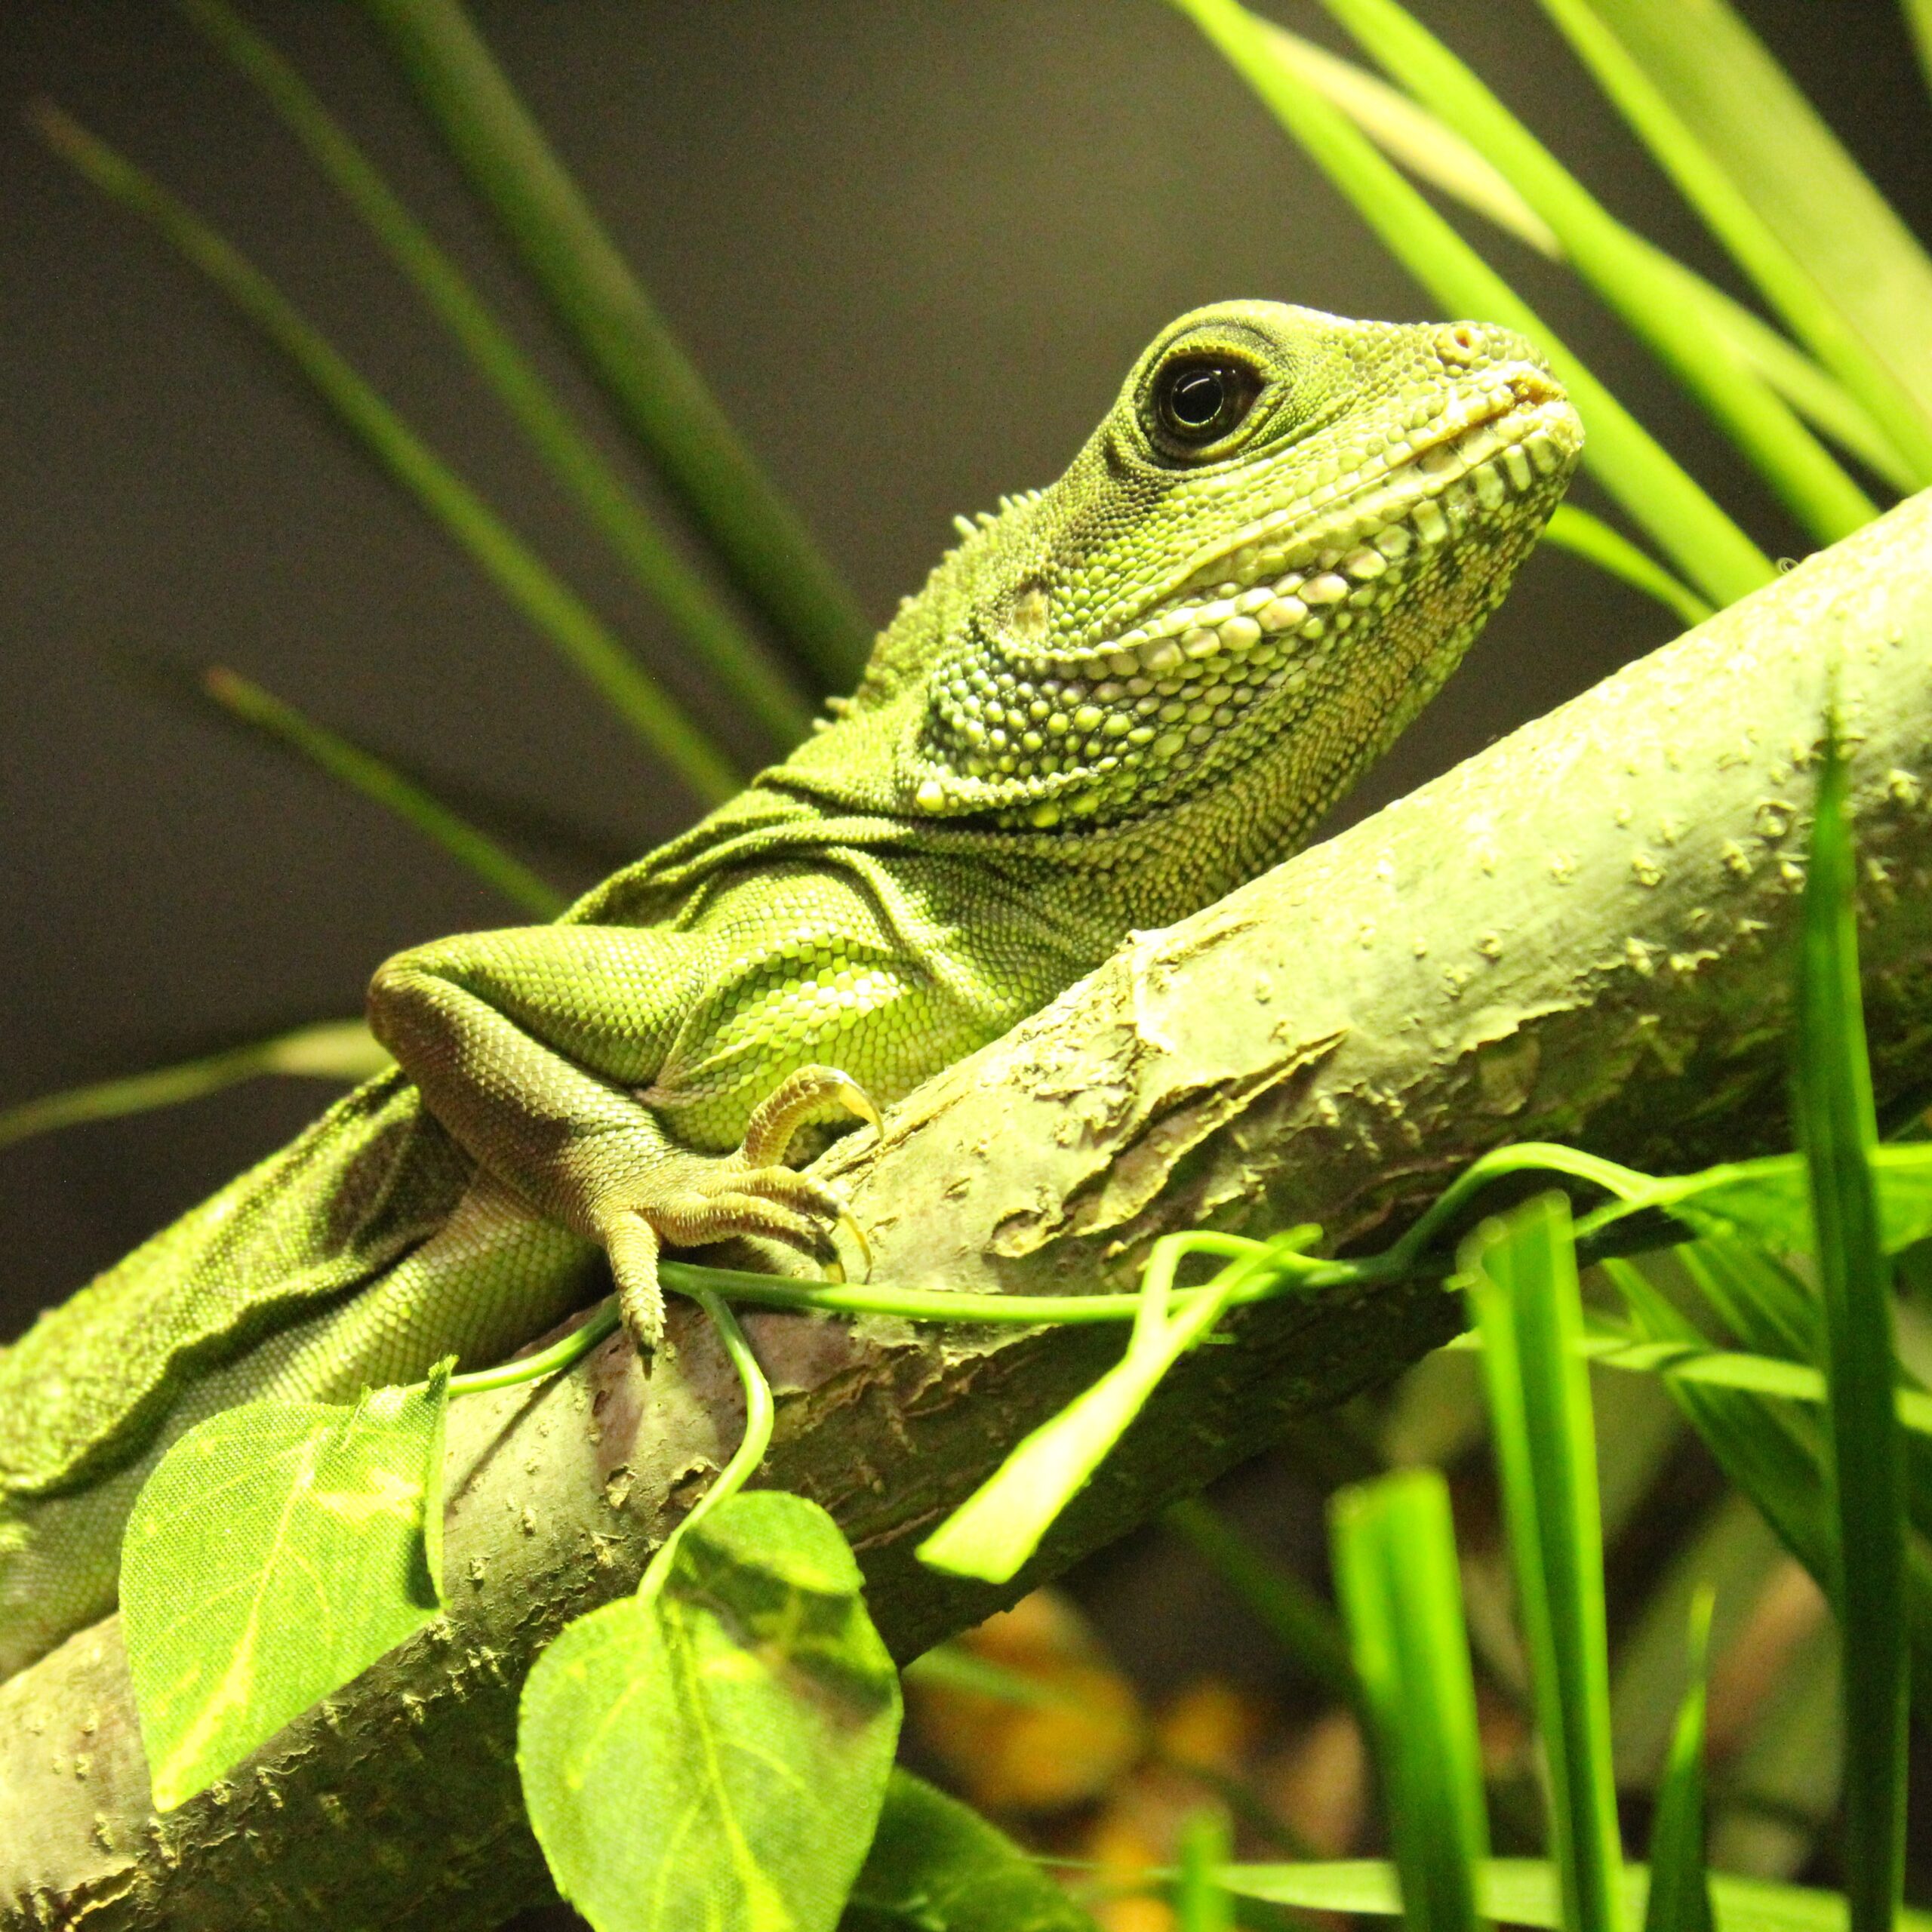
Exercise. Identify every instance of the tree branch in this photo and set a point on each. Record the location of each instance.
(1584, 934)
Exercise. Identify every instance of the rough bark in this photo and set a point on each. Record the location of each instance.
(1584, 934)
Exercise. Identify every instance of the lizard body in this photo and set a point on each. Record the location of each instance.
(1111, 703)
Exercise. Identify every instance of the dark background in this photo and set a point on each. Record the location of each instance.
(914, 246)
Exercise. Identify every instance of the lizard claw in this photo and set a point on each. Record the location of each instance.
(690, 1200)
(856, 1235)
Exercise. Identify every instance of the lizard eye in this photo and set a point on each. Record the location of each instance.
(1198, 400)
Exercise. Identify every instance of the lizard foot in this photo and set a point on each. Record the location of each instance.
(694, 1199)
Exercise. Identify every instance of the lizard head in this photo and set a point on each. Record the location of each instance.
(1275, 547)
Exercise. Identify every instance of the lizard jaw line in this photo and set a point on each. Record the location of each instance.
(1166, 688)
(1333, 539)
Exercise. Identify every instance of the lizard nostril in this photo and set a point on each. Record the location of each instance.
(1459, 344)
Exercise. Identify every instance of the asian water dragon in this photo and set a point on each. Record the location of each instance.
(1111, 703)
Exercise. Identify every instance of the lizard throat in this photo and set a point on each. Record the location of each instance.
(1071, 732)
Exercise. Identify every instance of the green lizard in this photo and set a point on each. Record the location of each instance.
(1111, 703)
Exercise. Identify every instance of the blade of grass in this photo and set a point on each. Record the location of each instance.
(1586, 536)
(555, 610)
(1201, 1902)
(1646, 481)
(1679, 1899)
(622, 340)
(1394, 1557)
(1525, 1891)
(1776, 187)
(1918, 23)
(325, 1050)
(1416, 139)
(1774, 1455)
(739, 661)
(1291, 1613)
(1798, 468)
(1522, 1283)
(1838, 1129)
(362, 771)
(1731, 1548)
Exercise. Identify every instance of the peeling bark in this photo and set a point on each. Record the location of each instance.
(1584, 934)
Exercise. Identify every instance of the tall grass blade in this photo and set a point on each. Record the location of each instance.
(736, 659)
(1416, 139)
(1764, 426)
(1919, 22)
(1776, 187)
(341, 1050)
(1525, 1891)
(1421, 141)
(1646, 482)
(1680, 1897)
(1202, 1902)
(554, 610)
(1583, 535)
(362, 771)
(1773, 1453)
(1523, 1291)
(1838, 1129)
(1292, 1613)
(622, 340)
(1396, 1571)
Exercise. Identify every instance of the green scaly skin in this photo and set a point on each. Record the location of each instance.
(1112, 704)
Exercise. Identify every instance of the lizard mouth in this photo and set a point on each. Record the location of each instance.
(1296, 571)
(1239, 622)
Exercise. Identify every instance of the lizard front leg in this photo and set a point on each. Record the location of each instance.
(544, 1051)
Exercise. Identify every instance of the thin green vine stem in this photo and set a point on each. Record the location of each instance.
(565, 1352)
(555, 610)
(760, 1412)
(740, 662)
(1529, 1156)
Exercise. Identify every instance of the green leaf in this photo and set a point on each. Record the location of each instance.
(1526, 1891)
(552, 608)
(1000, 1525)
(1395, 1560)
(1622, 271)
(716, 1755)
(620, 338)
(278, 1549)
(736, 658)
(936, 1866)
(1523, 1292)
(1680, 1898)
(1653, 490)
(362, 771)
(1838, 1128)
(1769, 1200)
(342, 1050)
(1777, 187)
